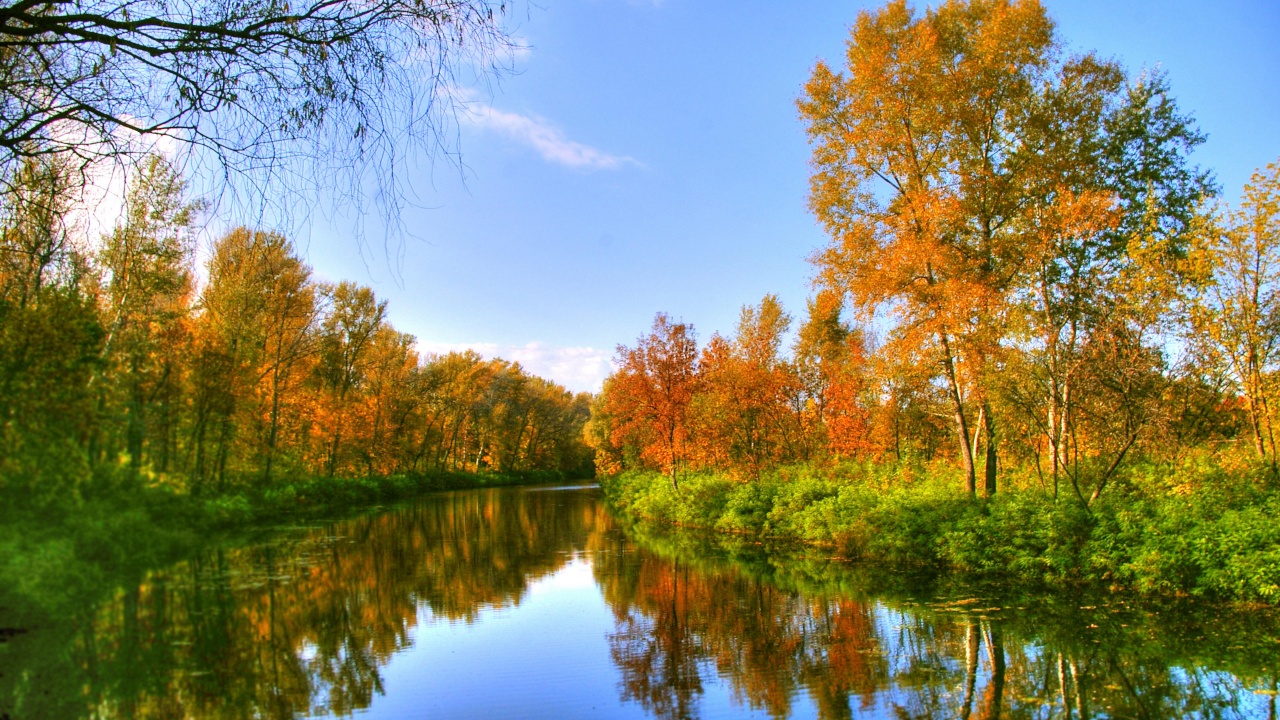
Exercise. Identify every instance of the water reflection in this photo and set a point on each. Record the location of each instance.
(302, 624)
(687, 615)
(308, 622)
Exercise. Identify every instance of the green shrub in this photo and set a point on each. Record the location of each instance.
(229, 510)
(747, 508)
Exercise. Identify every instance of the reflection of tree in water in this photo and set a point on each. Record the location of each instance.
(674, 623)
(303, 624)
(657, 653)
(681, 620)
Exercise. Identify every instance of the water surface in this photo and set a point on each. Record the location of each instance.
(535, 603)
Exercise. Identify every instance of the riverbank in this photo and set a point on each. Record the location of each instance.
(1197, 529)
(55, 557)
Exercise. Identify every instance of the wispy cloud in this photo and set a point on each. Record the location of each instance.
(545, 138)
(580, 369)
(519, 50)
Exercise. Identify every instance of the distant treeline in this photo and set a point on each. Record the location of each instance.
(117, 362)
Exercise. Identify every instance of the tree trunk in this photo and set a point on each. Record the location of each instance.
(989, 429)
(962, 424)
(993, 703)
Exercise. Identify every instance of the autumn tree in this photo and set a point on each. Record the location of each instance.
(650, 393)
(918, 178)
(254, 328)
(993, 194)
(350, 325)
(831, 364)
(1238, 317)
(598, 432)
(748, 411)
(394, 396)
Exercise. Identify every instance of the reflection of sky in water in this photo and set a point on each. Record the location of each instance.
(547, 656)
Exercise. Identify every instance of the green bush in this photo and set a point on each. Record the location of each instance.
(229, 510)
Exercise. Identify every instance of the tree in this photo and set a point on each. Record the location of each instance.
(147, 260)
(919, 174)
(748, 409)
(830, 360)
(255, 325)
(346, 335)
(995, 196)
(1112, 212)
(254, 88)
(36, 248)
(650, 393)
(50, 343)
(1238, 318)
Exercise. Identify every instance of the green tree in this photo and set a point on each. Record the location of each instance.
(1110, 219)
(147, 300)
(50, 343)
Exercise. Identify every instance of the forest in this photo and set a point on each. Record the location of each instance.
(128, 369)
(1041, 344)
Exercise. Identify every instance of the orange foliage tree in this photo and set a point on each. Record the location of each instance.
(749, 408)
(992, 194)
(831, 366)
(650, 394)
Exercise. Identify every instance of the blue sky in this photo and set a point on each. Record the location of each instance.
(647, 156)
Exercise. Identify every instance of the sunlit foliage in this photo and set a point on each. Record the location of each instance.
(118, 369)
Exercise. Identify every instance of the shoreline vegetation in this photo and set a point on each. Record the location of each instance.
(1195, 530)
(142, 401)
(1038, 350)
(144, 404)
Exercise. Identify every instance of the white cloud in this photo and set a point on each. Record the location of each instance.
(580, 369)
(545, 138)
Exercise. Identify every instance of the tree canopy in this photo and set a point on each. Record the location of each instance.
(293, 94)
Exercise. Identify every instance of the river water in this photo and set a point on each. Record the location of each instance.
(536, 603)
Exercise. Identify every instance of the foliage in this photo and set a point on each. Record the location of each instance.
(1215, 533)
(1057, 309)
(651, 394)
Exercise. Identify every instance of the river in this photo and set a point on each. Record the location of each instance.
(536, 603)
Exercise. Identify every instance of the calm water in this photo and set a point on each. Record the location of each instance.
(535, 603)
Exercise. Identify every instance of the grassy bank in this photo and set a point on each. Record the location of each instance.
(55, 559)
(1195, 529)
